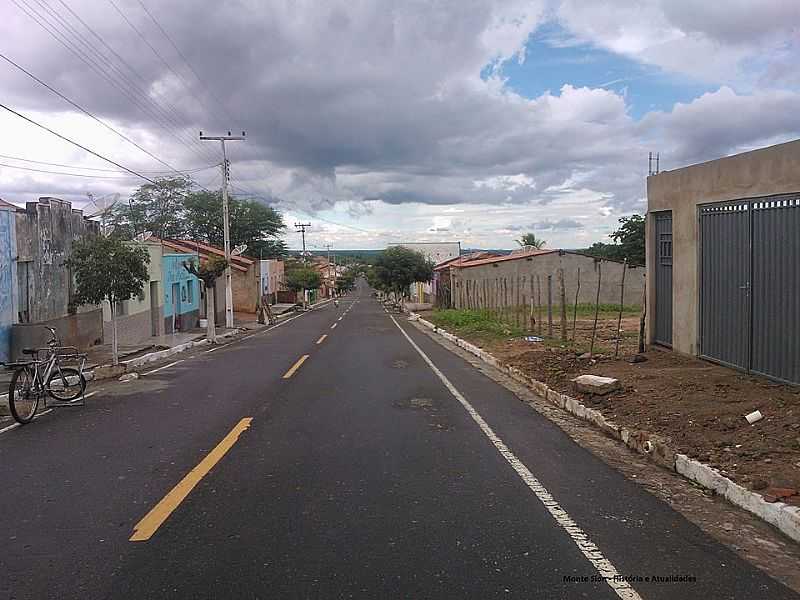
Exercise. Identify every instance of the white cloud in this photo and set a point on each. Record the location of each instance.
(374, 114)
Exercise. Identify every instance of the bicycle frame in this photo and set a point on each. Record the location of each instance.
(43, 369)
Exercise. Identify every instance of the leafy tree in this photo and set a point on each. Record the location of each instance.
(251, 222)
(300, 278)
(628, 243)
(347, 280)
(530, 239)
(158, 208)
(398, 267)
(208, 272)
(304, 278)
(108, 269)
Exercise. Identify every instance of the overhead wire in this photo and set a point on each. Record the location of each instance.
(186, 61)
(89, 55)
(74, 143)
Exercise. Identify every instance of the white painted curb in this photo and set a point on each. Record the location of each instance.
(783, 516)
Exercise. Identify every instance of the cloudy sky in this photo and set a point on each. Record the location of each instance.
(381, 121)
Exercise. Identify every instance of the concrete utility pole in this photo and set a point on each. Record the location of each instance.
(301, 227)
(226, 177)
(332, 265)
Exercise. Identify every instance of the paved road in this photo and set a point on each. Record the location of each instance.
(381, 466)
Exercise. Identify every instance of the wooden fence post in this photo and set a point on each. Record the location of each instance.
(575, 308)
(596, 307)
(539, 302)
(563, 295)
(621, 303)
(549, 306)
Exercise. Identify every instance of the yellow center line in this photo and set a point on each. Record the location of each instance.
(295, 366)
(322, 339)
(150, 523)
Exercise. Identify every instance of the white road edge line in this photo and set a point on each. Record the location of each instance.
(44, 412)
(607, 570)
(172, 364)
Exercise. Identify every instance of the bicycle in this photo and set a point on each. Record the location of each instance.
(37, 378)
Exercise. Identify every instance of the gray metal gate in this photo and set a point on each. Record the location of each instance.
(776, 287)
(725, 283)
(663, 330)
(750, 285)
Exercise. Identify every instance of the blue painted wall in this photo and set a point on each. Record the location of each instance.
(8, 256)
(175, 273)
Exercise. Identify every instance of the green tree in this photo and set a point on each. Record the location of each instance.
(530, 239)
(347, 280)
(251, 223)
(628, 243)
(158, 208)
(398, 267)
(300, 278)
(108, 269)
(208, 272)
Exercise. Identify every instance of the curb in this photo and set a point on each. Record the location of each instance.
(132, 364)
(779, 514)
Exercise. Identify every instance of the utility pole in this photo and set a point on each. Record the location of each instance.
(301, 227)
(332, 265)
(226, 177)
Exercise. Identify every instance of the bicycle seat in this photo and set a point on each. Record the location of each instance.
(29, 350)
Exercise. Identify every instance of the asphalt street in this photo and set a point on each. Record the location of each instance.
(344, 454)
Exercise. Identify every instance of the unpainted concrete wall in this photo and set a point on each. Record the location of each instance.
(45, 233)
(764, 172)
(528, 268)
(81, 330)
(245, 288)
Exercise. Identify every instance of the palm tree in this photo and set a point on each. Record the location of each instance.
(530, 239)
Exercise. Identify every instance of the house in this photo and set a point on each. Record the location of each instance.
(436, 253)
(245, 275)
(45, 231)
(8, 274)
(181, 293)
(271, 278)
(327, 272)
(143, 317)
(442, 276)
(524, 277)
(723, 273)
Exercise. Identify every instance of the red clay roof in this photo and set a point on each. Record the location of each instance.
(240, 263)
(496, 259)
(466, 258)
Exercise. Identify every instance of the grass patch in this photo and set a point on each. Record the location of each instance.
(475, 322)
(587, 310)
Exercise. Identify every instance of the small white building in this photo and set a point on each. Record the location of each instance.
(271, 278)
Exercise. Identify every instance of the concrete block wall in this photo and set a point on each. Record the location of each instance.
(136, 328)
(764, 172)
(527, 269)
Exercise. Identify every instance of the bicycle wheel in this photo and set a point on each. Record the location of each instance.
(65, 384)
(23, 398)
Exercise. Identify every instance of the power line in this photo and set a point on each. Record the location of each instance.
(121, 177)
(52, 164)
(186, 61)
(125, 86)
(74, 143)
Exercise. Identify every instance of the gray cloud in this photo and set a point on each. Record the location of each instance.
(353, 103)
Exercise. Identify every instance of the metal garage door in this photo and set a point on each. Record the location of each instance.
(776, 287)
(663, 331)
(750, 285)
(725, 283)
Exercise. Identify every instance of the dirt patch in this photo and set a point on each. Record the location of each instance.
(696, 406)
